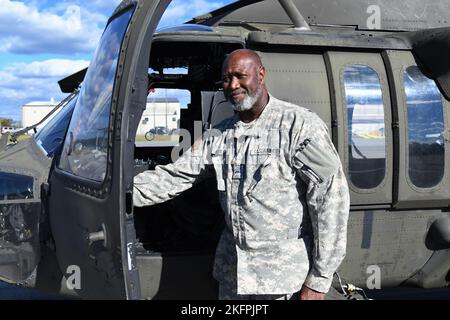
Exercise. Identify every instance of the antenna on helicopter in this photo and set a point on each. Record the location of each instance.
(295, 15)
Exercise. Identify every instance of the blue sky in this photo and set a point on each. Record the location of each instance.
(43, 41)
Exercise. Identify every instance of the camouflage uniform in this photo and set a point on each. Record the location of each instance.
(284, 195)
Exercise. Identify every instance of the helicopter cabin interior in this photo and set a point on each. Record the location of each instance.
(386, 118)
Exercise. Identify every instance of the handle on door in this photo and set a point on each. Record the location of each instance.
(98, 236)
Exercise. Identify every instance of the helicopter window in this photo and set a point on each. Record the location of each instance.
(15, 186)
(50, 137)
(425, 129)
(161, 119)
(366, 127)
(86, 144)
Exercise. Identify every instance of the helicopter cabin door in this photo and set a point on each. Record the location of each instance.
(87, 195)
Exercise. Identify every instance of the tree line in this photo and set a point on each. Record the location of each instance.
(6, 122)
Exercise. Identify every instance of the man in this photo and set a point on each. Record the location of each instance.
(281, 186)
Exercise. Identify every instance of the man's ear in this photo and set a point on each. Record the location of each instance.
(262, 74)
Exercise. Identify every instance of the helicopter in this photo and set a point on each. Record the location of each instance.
(377, 73)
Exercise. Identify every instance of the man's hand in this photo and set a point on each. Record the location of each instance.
(310, 294)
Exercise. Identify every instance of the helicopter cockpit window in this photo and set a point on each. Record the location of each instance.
(86, 144)
(425, 129)
(366, 126)
(50, 137)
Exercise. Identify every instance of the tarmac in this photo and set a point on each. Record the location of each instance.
(12, 292)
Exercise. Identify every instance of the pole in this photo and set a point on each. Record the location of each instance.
(166, 107)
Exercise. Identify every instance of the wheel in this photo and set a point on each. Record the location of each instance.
(149, 136)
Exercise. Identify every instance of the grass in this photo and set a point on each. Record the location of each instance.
(22, 138)
(159, 138)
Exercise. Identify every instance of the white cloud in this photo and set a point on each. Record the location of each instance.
(25, 29)
(103, 8)
(48, 68)
(21, 83)
(68, 27)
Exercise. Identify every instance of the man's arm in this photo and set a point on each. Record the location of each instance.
(166, 182)
(328, 204)
(328, 208)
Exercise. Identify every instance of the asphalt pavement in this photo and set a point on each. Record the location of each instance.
(12, 292)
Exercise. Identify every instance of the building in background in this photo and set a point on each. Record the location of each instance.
(34, 112)
(160, 113)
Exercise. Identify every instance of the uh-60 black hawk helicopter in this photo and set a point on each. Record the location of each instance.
(377, 72)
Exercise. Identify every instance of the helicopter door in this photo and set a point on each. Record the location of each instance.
(23, 171)
(87, 200)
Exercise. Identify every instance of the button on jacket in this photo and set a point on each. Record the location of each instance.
(284, 194)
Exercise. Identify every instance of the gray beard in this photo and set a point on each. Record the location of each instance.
(248, 101)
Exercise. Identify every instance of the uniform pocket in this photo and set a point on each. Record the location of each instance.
(258, 175)
(319, 163)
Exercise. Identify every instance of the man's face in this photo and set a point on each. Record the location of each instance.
(242, 83)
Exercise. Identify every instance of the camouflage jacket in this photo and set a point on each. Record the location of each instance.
(284, 194)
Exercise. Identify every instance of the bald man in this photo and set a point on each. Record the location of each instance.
(281, 187)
